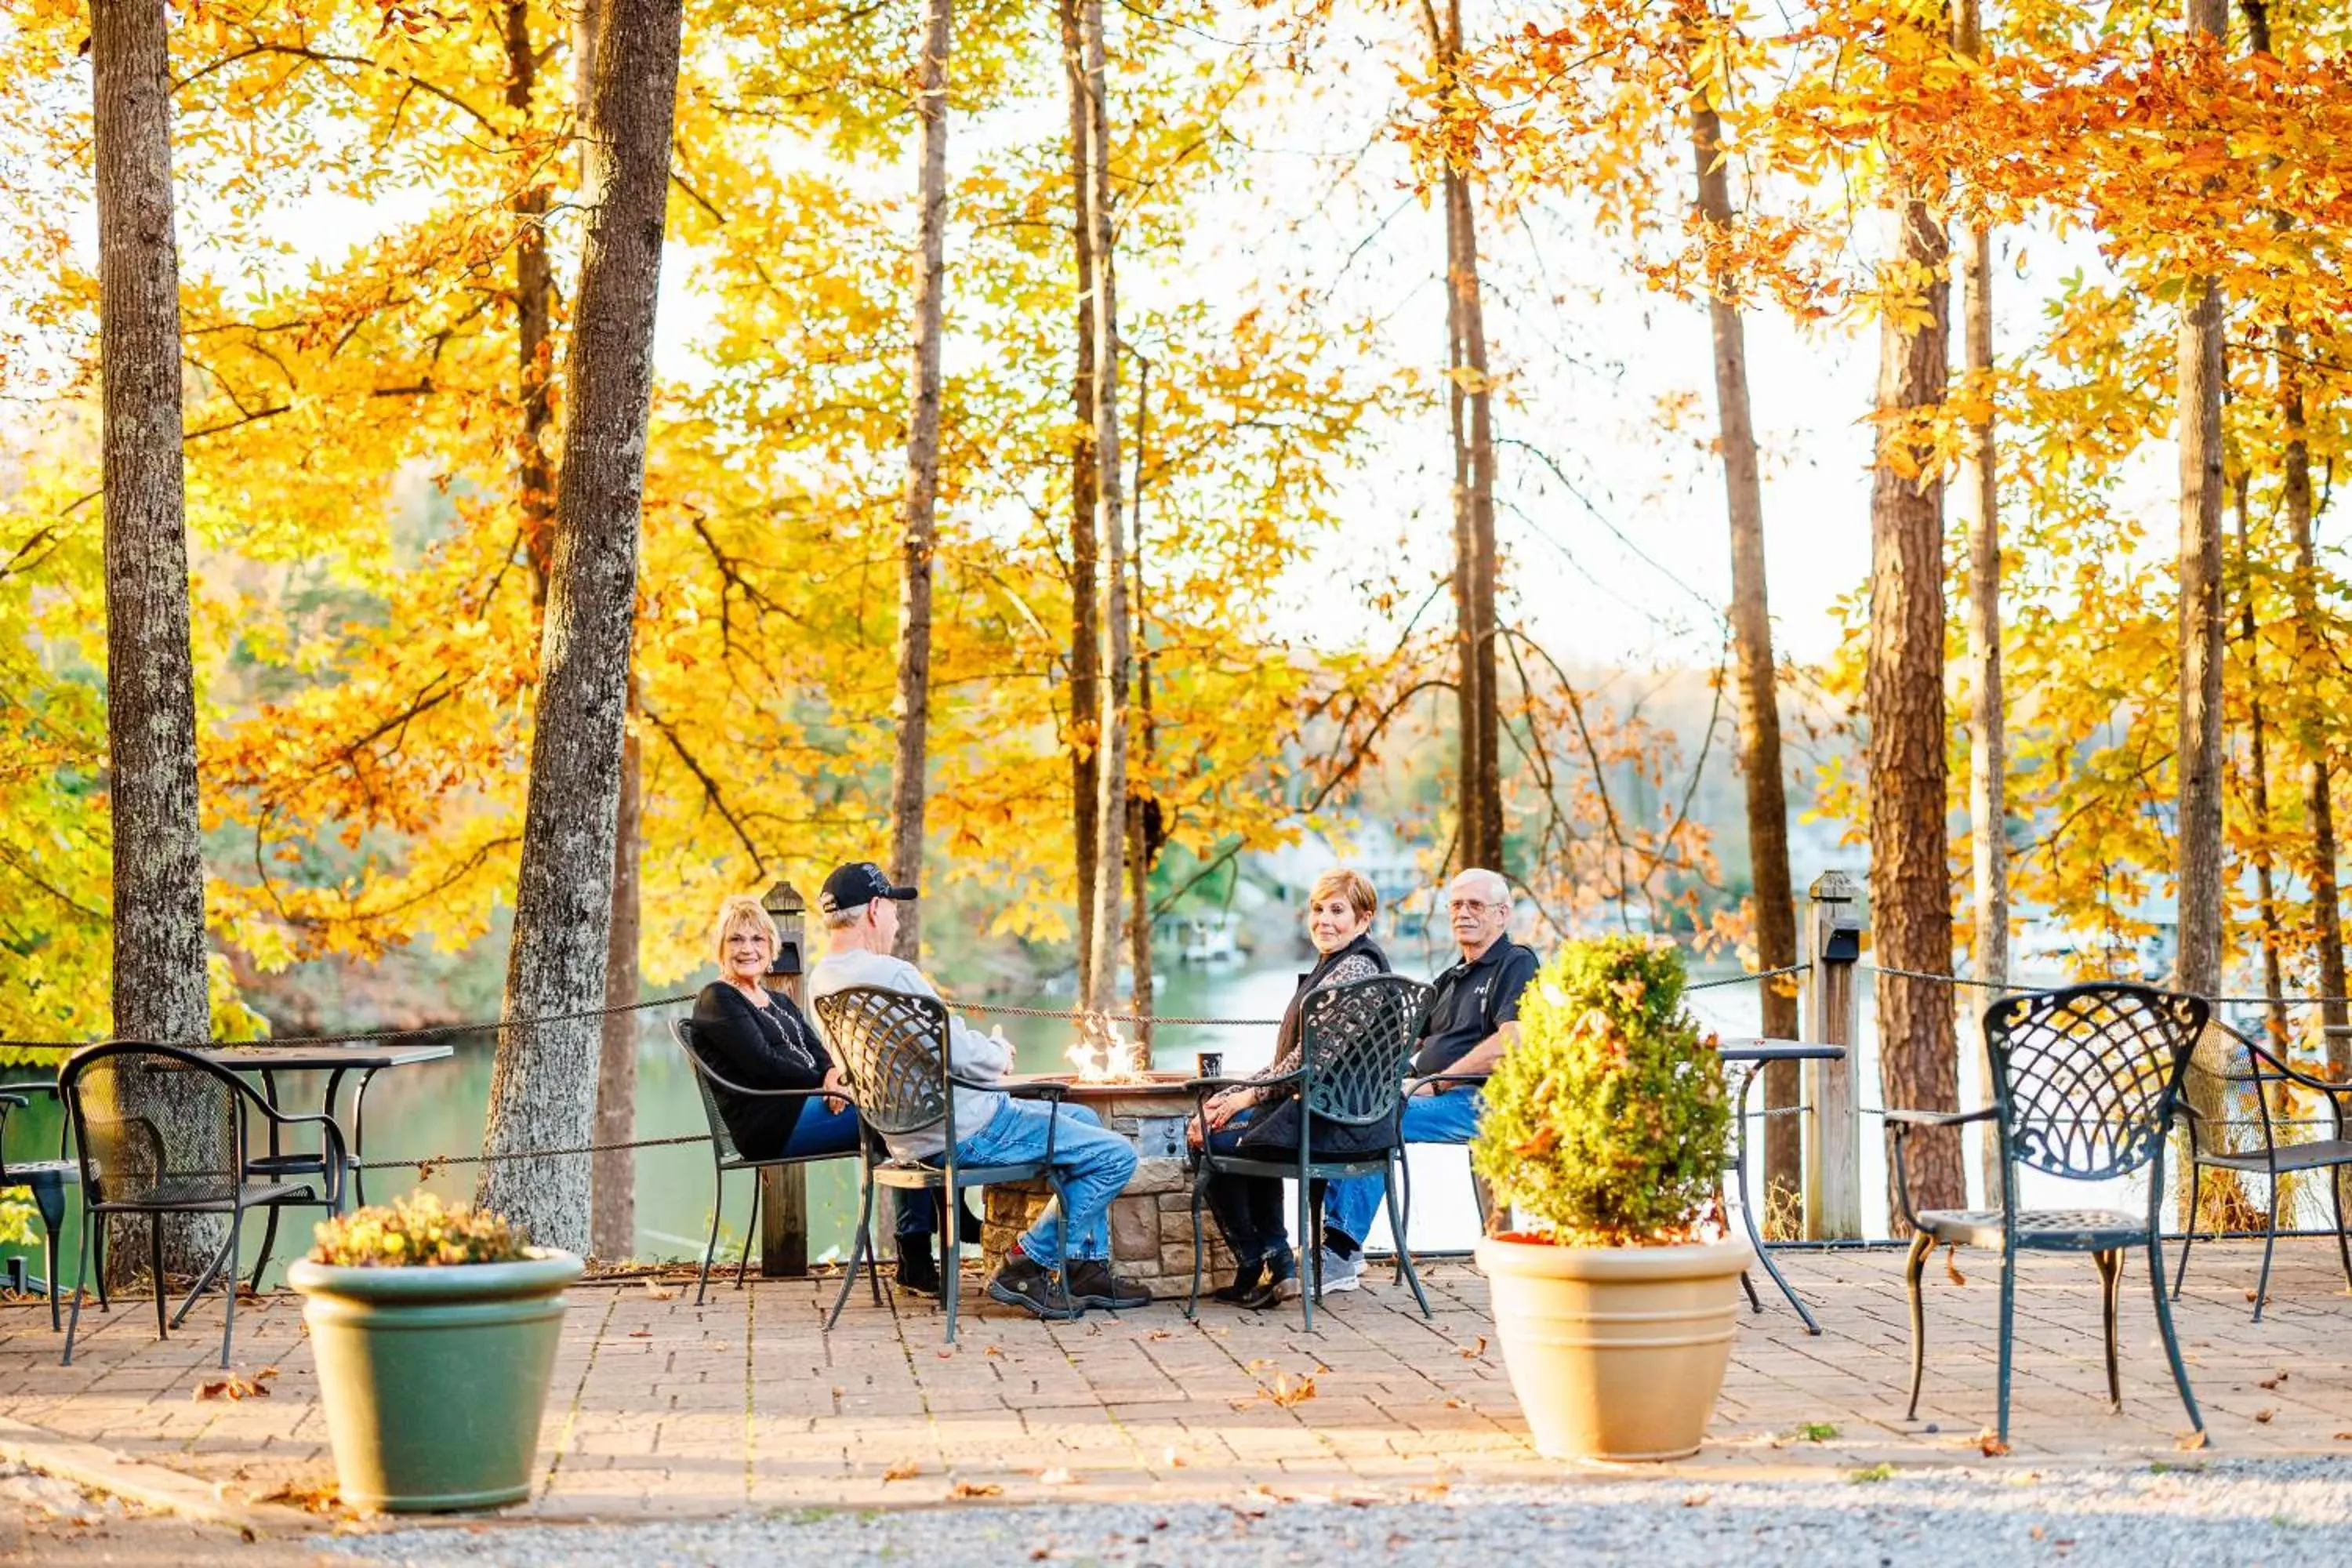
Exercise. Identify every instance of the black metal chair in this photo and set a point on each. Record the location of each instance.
(1356, 1041)
(195, 1159)
(2211, 1147)
(47, 1180)
(727, 1155)
(892, 1047)
(2085, 1082)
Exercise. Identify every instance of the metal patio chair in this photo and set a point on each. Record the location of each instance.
(1356, 1041)
(197, 1160)
(727, 1155)
(46, 1179)
(2085, 1082)
(892, 1047)
(2211, 1147)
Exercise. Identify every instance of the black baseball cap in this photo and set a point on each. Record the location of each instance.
(859, 882)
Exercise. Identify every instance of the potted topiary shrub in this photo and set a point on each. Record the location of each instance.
(435, 1331)
(1605, 1127)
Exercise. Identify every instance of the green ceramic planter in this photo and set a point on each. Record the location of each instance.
(434, 1379)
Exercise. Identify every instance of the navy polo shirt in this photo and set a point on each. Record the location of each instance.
(1473, 1000)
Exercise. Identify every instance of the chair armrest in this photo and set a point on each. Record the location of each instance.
(335, 1153)
(1449, 1078)
(38, 1086)
(1199, 1084)
(1022, 1091)
(1903, 1120)
(696, 1065)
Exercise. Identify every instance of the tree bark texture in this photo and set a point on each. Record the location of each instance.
(1110, 529)
(612, 1181)
(1086, 616)
(160, 990)
(1759, 690)
(1910, 882)
(918, 514)
(1988, 728)
(534, 310)
(542, 1087)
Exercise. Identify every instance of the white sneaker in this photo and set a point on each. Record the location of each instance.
(1340, 1273)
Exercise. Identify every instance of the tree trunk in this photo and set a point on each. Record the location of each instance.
(612, 1182)
(542, 1088)
(2258, 783)
(1987, 730)
(534, 302)
(2198, 833)
(1142, 806)
(1470, 412)
(1910, 882)
(2326, 917)
(1758, 689)
(151, 705)
(1110, 779)
(919, 521)
(1086, 618)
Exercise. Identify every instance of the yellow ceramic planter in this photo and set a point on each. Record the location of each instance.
(1615, 1353)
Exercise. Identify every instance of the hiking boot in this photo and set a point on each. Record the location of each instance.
(919, 1271)
(1340, 1273)
(1021, 1283)
(1247, 1277)
(1092, 1284)
(1280, 1285)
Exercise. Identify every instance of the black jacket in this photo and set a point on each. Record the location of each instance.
(759, 1048)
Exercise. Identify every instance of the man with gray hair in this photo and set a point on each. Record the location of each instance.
(1473, 1019)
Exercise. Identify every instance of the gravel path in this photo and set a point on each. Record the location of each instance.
(2273, 1512)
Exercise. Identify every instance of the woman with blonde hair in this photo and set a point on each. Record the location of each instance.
(756, 1039)
(1268, 1122)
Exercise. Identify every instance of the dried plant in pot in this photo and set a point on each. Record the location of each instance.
(435, 1330)
(1605, 1130)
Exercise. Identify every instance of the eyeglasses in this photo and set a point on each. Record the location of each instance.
(1472, 907)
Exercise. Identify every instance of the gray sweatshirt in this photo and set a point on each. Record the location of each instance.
(971, 1054)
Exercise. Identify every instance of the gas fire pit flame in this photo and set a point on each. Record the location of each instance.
(1103, 1055)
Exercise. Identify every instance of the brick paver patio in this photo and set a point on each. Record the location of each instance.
(661, 1408)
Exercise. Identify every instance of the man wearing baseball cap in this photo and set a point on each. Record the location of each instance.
(859, 906)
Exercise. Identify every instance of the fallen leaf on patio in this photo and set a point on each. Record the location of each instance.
(657, 1292)
(1696, 1499)
(1056, 1476)
(992, 1350)
(2344, 1436)
(1285, 1393)
(312, 1497)
(2264, 1416)
(236, 1387)
(1160, 1334)
(1456, 1404)
(2271, 1382)
(1990, 1445)
(904, 1470)
(1172, 1458)
(2189, 1442)
(975, 1489)
(641, 1333)
(1952, 1267)
(1432, 1491)
(1472, 1353)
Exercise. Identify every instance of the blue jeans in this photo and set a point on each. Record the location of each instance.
(1094, 1165)
(823, 1132)
(1349, 1206)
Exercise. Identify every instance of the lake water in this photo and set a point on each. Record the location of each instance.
(438, 1109)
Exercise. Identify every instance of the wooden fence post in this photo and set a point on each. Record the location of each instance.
(784, 1189)
(1834, 1131)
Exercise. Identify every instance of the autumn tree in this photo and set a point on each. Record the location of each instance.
(542, 1089)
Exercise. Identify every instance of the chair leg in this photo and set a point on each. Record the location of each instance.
(2270, 1245)
(1747, 1283)
(2008, 1334)
(2343, 1246)
(1401, 1173)
(858, 1245)
(1405, 1252)
(2111, 1281)
(97, 1256)
(2189, 1227)
(89, 1222)
(1922, 1244)
(750, 1229)
(228, 1281)
(2164, 1322)
(951, 1280)
(1310, 1277)
(155, 1267)
(50, 1249)
(710, 1247)
(268, 1240)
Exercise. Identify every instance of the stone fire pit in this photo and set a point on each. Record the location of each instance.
(1151, 1221)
